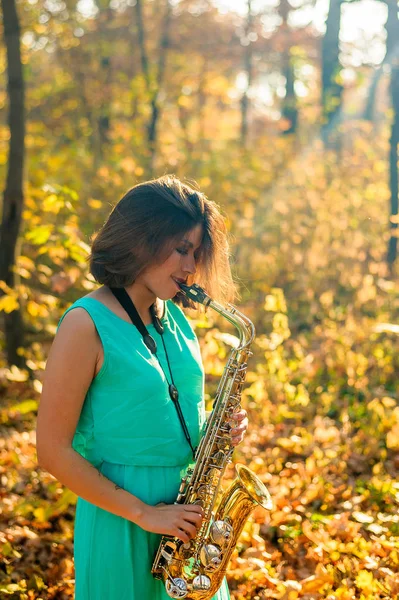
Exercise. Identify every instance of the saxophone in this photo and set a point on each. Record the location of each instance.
(195, 570)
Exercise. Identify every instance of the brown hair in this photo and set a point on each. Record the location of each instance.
(143, 228)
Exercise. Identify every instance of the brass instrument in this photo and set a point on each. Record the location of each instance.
(195, 570)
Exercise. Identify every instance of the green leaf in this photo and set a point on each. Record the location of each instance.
(39, 235)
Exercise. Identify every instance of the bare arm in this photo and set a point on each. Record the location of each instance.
(69, 372)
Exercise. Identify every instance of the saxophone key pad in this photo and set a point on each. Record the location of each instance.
(201, 583)
(221, 532)
(203, 492)
(185, 551)
(176, 587)
(168, 550)
(210, 556)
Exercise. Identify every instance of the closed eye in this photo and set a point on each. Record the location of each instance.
(184, 252)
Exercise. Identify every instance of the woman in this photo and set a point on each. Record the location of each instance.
(107, 426)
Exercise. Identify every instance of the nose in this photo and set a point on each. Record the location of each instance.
(189, 265)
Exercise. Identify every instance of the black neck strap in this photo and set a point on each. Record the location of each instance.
(123, 297)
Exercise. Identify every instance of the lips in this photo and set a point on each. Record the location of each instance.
(177, 280)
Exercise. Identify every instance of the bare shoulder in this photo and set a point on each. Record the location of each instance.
(76, 337)
(70, 369)
(78, 317)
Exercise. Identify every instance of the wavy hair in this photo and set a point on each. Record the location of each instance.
(143, 228)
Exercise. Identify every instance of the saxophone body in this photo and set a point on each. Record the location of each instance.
(196, 570)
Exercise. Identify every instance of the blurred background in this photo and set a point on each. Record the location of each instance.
(286, 113)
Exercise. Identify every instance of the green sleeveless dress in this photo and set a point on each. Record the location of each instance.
(129, 429)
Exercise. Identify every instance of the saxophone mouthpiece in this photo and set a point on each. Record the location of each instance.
(196, 293)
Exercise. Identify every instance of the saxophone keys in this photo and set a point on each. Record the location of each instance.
(221, 532)
(211, 557)
(223, 445)
(212, 477)
(176, 587)
(234, 401)
(201, 583)
(185, 551)
(168, 551)
(203, 492)
(199, 502)
(218, 457)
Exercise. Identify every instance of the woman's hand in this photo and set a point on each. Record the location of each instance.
(179, 520)
(240, 427)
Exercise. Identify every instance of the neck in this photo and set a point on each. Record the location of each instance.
(142, 299)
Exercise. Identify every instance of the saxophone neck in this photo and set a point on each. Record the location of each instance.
(244, 326)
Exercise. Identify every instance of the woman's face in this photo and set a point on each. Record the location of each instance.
(179, 266)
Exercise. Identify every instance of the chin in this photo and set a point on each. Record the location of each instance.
(167, 295)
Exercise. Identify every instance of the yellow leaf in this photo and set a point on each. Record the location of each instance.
(315, 582)
(32, 308)
(5, 287)
(275, 302)
(15, 374)
(392, 439)
(364, 580)
(37, 385)
(184, 101)
(22, 272)
(24, 407)
(53, 203)
(40, 514)
(94, 203)
(361, 517)
(128, 164)
(8, 303)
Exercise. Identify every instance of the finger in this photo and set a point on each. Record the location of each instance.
(237, 431)
(194, 508)
(182, 535)
(196, 512)
(239, 416)
(237, 440)
(188, 528)
(192, 517)
(238, 437)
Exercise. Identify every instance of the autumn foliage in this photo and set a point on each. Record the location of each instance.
(309, 232)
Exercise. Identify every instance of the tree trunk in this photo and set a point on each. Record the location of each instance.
(155, 105)
(393, 168)
(392, 27)
(105, 75)
(141, 38)
(249, 73)
(392, 35)
(13, 193)
(104, 119)
(331, 91)
(290, 108)
(201, 102)
(372, 91)
(153, 83)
